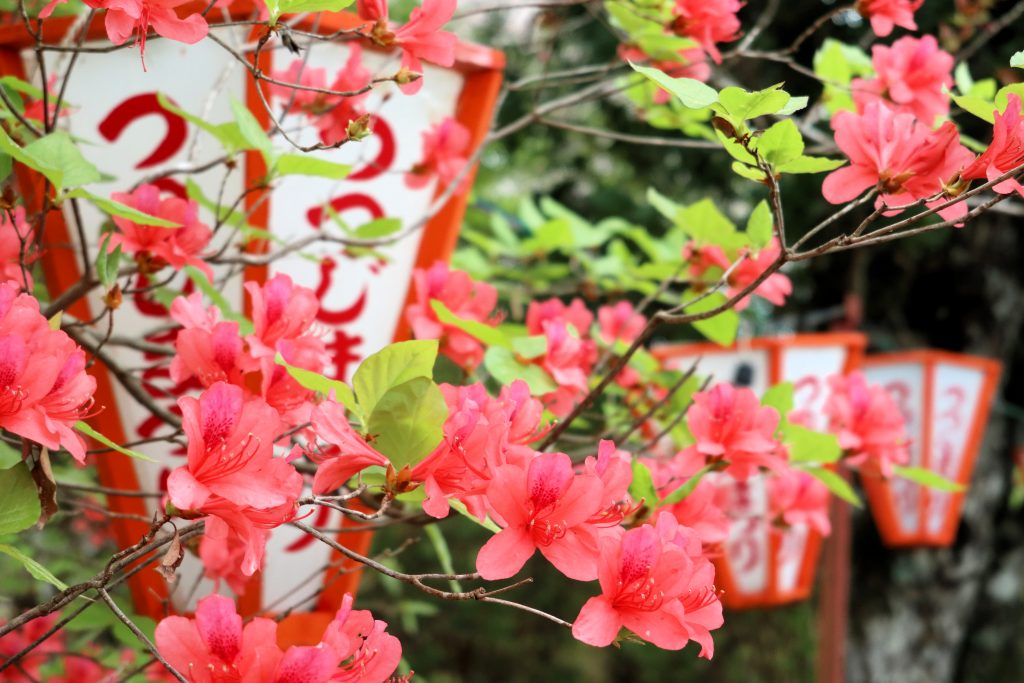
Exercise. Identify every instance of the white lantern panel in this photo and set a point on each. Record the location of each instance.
(743, 367)
(808, 368)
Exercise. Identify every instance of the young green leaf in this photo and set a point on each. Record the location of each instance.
(721, 328)
(781, 143)
(309, 165)
(491, 336)
(503, 366)
(407, 421)
(690, 92)
(58, 151)
(836, 484)
(32, 567)
(19, 500)
(115, 208)
(780, 397)
(642, 486)
(92, 433)
(807, 445)
(310, 6)
(390, 367)
(926, 477)
(1017, 60)
(314, 381)
(252, 131)
(807, 164)
(759, 225)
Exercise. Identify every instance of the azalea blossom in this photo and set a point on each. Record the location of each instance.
(27, 669)
(1005, 153)
(125, 18)
(178, 247)
(885, 14)
(751, 265)
(421, 38)
(445, 154)
(569, 355)
(703, 509)
(44, 389)
(869, 424)
(913, 76)
(621, 322)
(545, 507)
(799, 499)
(899, 155)
(283, 318)
(231, 472)
(348, 454)
(463, 296)
(731, 426)
(708, 22)
(17, 247)
(651, 585)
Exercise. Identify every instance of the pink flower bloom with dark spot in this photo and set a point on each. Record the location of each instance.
(885, 14)
(231, 471)
(731, 426)
(179, 247)
(445, 154)
(868, 422)
(708, 22)
(463, 296)
(899, 155)
(913, 76)
(1005, 153)
(545, 507)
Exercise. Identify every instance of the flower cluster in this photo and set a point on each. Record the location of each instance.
(44, 389)
(869, 424)
(708, 263)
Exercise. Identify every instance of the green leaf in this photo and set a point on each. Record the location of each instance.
(503, 366)
(19, 500)
(781, 143)
(748, 172)
(309, 165)
(690, 92)
(706, 224)
(58, 151)
(107, 262)
(759, 225)
(530, 347)
(741, 105)
(90, 432)
(390, 367)
(1017, 60)
(806, 164)
(314, 381)
(807, 445)
(780, 397)
(407, 421)
(302, 6)
(460, 507)
(252, 131)
(227, 134)
(794, 105)
(721, 328)
(491, 336)
(663, 205)
(115, 208)
(926, 477)
(836, 484)
(686, 489)
(642, 486)
(983, 109)
(32, 567)
(380, 227)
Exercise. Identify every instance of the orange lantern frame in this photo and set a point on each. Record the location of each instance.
(881, 493)
(772, 595)
(482, 69)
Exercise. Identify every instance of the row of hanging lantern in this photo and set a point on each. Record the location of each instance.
(118, 104)
(945, 399)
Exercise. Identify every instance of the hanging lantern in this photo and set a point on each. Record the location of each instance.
(945, 399)
(762, 564)
(116, 105)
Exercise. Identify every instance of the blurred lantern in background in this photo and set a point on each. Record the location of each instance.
(123, 109)
(763, 564)
(945, 399)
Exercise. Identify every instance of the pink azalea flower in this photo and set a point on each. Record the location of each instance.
(568, 360)
(27, 669)
(651, 586)
(125, 18)
(708, 22)
(17, 244)
(223, 553)
(731, 426)
(775, 288)
(575, 314)
(445, 154)
(913, 76)
(1005, 153)
(349, 455)
(466, 298)
(421, 38)
(284, 319)
(799, 499)
(44, 388)
(179, 247)
(895, 152)
(885, 14)
(701, 510)
(868, 423)
(369, 654)
(330, 113)
(620, 322)
(231, 472)
(545, 507)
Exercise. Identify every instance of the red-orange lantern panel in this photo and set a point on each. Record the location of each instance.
(945, 399)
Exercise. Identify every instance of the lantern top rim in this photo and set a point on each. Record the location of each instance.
(469, 56)
(988, 365)
(854, 340)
